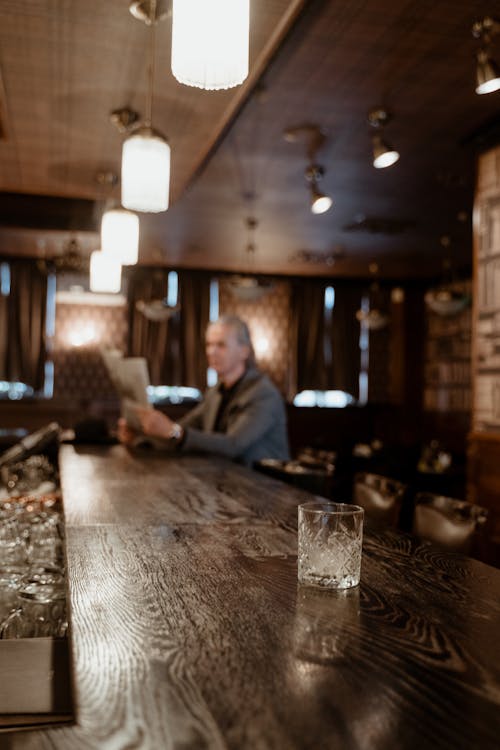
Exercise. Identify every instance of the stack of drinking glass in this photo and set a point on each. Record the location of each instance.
(32, 570)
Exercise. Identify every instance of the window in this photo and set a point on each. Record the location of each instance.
(15, 391)
(172, 288)
(172, 394)
(50, 331)
(4, 279)
(213, 315)
(329, 399)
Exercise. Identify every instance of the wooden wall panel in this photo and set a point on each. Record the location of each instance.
(483, 485)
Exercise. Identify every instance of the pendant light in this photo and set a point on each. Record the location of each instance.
(372, 313)
(105, 273)
(146, 153)
(120, 235)
(210, 42)
(119, 227)
(249, 287)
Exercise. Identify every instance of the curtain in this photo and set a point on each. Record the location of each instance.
(307, 334)
(158, 342)
(175, 348)
(194, 293)
(324, 345)
(342, 338)
(22, 325)
(4, 336)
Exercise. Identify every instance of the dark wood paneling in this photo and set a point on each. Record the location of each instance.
(483, 480)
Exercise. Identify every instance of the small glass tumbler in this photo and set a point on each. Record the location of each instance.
(330, 542)
(40, 612)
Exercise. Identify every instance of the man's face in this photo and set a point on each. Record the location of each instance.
(224, 353)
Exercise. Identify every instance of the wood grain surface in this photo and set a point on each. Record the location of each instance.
(189, 630)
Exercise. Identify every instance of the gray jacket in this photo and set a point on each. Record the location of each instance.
(256, 422)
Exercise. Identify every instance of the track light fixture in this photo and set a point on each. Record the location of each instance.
(315, 138)
(384, 155)
(320, 203)
(487, 71)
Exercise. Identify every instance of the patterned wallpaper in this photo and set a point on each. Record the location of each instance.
(80, 331)
(269, 322)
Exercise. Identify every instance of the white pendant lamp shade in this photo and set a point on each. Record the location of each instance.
(105, 273)
(145, 171)
(120, 235)
(210, 42)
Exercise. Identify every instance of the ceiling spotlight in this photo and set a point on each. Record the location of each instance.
(384, 155)
(320, 203)
(315, 138)
(487, 74)
(487, 71)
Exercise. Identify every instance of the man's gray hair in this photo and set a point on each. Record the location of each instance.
(242, 334)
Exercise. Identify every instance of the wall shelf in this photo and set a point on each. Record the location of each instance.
(447, 361)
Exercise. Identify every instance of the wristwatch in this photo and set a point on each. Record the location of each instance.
(176, 432)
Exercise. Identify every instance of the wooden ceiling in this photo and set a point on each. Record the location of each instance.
(67, 65)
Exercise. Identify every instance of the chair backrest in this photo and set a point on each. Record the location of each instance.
(317, 459)
(448, 522)
(380, 496)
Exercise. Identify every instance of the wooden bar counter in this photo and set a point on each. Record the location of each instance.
(189, 631)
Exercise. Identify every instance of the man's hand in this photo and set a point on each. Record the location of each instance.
(124, 433)
(154, 423)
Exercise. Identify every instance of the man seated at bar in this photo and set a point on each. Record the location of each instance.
(243, 417)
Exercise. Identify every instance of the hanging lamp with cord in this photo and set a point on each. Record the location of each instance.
(449, 297)
(249, 287)
(373, 315)
(146, 152)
